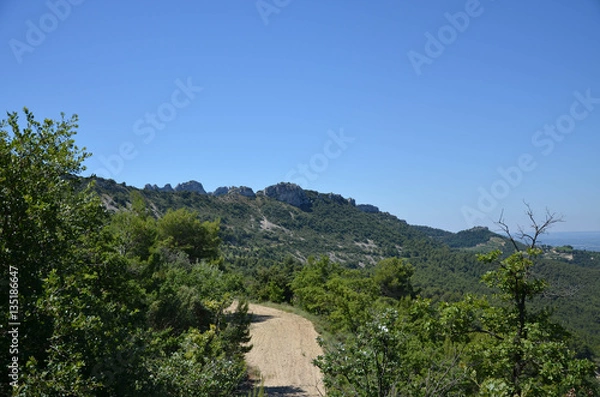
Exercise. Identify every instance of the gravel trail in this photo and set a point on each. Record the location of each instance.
(284, 345)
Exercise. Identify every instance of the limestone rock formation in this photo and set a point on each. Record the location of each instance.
(166, 188)
(368, 208)
(220, 191)
(242, 191)
(191, 186)
(289, 193)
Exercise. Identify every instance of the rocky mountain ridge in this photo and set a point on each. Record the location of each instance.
(286, 192)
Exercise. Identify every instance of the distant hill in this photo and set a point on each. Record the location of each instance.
(479, 238)
(284, 221)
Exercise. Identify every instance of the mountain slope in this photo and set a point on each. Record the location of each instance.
(269, 226)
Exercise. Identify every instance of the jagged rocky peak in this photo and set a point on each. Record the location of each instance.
(371, 209)
(220, 191)
(166, 188)
(336, 198)
(190, 186)
(241, 190)
(288, 193)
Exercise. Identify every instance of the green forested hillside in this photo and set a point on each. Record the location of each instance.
(259, 232)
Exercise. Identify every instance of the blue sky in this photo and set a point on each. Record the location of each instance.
(443, 113)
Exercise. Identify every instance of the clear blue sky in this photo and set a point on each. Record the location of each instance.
(412, 106)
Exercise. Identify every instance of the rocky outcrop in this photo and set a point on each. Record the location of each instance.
(289, 193)
(220, 191)
(336, 198)
(242, 191)
(286, 192)
(371, 209)
(166, 188)
(191, 186)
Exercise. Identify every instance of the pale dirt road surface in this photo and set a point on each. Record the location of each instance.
(284, 345)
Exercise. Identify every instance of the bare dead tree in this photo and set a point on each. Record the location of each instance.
(530, 239)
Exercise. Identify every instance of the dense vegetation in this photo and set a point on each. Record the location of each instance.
(394, 343)
(266, 241)
(107, 305)
(124, 291)
(411, 347)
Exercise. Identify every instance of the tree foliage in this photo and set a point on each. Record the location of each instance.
(181, 229)
(475, 347)
(46, 223)
(393, 277)
(524, 353)
(109, 305)
(398, 352)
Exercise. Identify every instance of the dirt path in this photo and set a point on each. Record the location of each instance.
(284, 346)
